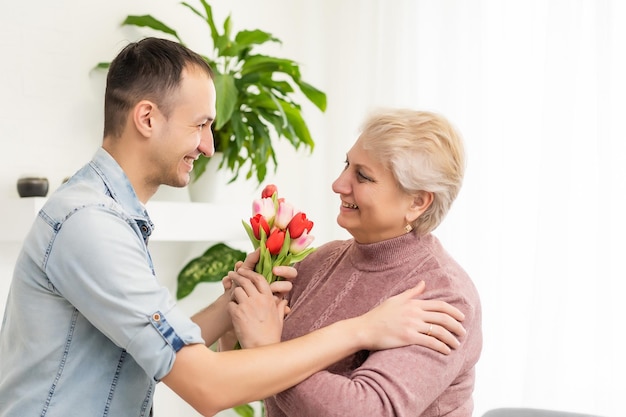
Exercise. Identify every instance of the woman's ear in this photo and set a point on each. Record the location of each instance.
(143, 117)
(421, 202)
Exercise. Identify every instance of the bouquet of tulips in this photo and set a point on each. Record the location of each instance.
(282, 233)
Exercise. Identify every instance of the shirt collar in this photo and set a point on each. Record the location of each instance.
(120, 188)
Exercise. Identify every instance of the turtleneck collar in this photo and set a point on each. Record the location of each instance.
(388, 253)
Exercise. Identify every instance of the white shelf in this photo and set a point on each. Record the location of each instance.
(174, 221)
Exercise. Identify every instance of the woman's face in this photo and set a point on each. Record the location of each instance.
(373, 207)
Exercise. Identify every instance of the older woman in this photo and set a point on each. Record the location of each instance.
(400, 178)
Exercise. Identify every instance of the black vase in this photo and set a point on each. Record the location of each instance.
(32, 187)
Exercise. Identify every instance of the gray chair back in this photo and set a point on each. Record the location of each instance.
(532, 412)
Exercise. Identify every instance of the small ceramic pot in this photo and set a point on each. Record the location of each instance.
(32, 187)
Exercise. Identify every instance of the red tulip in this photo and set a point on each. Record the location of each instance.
(257, 222)
(298, 224)
(269, 191)
(275, 241)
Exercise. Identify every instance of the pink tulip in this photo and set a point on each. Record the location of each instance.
(264, 207)
(301, 243)
(283, 215)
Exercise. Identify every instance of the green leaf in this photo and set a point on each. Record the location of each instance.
(286, 243)
(266, 261)
(250, 233)
(314, 95)
(262, 63)
(208, 18)
(244, 410)
(152, 23)
(210, 21)
(226, 101)
(300, 256)
(211, 266)
(247, 38)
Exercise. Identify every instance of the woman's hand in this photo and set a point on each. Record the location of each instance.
(404, 319)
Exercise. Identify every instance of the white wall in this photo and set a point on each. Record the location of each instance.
(538, 224)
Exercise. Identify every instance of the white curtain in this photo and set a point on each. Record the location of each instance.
(537, 88)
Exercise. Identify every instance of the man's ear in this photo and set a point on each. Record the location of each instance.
(143, 117)
(421, 202)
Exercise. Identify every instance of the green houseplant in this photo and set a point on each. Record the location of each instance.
(256, 96)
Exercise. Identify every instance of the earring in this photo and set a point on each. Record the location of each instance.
(408, 228)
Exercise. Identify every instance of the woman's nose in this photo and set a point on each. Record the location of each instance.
(340, 185)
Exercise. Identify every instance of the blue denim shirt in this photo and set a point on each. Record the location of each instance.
(88, 330)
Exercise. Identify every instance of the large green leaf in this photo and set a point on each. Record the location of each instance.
(211, 266)
(254, 37)
(226, 101)
(314, 95)
(296, 121)
(284, 88)
(262, 63)
(152, 23)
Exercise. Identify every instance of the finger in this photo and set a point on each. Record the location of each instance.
(281, 287)
(443, 307)
(442, 335)
(251, 260)
(253, 282)
(446, 321)
(232, 278)
(238, 295)
(227, 282)
(286, 272)
(282, 309)
(434, 344)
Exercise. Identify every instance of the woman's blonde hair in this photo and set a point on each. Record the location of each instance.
(423, 151)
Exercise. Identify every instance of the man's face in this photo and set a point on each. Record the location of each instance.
(186, 133)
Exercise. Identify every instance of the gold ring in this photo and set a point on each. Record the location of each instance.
(430, 329)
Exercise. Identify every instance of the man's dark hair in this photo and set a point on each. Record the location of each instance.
(149, 69)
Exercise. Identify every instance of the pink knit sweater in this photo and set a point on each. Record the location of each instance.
(344, 279)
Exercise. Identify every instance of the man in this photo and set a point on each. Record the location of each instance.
(88, 331)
